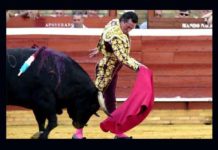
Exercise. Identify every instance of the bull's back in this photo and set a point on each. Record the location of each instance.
(52, 70)
(41, 74)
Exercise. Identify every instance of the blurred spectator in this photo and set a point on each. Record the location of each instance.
(144, 25)
(208, 18)
(158, 13)
(58, 13)
(9, 14)
(92, 13)
(183, 14)
(34, 14)
(78, 20)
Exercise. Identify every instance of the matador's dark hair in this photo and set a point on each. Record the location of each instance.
(129, 15)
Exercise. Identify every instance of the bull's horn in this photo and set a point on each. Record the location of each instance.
(101, 102)
(96, 114)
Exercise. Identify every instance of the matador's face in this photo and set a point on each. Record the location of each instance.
(126, 27)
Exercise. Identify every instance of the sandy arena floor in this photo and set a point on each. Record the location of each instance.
(18, 127)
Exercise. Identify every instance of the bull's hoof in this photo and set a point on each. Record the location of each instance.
(37, 135)
(75, 137)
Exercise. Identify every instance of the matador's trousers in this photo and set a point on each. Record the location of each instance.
(109, 95)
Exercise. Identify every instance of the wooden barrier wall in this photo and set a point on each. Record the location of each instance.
(181, 65)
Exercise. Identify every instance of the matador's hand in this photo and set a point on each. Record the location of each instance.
(140, 64)
(93, 52)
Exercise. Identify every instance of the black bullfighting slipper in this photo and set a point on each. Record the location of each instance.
(116, 137)
(75, 137)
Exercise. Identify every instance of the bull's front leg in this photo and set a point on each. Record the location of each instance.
(52, 123)
(46, 104)
(40, 118)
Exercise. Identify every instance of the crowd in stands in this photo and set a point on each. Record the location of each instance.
(79, 15)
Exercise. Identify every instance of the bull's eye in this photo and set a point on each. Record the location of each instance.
(12, 61)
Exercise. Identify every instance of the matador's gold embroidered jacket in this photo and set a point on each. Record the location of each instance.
(115, 47)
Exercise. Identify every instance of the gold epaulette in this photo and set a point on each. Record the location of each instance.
(112, 29)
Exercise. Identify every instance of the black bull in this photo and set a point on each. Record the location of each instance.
(53, 81)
